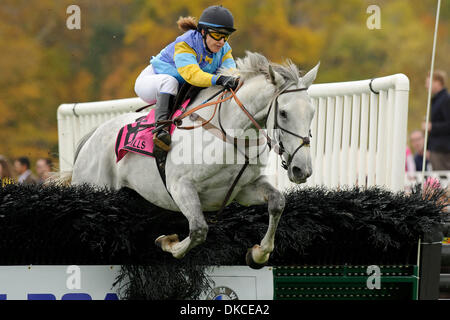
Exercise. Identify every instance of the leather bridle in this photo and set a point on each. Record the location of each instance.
(305, 140)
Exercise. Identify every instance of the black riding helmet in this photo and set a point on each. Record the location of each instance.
(217, 18)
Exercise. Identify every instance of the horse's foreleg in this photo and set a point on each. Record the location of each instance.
(260, 192)
(186, 197)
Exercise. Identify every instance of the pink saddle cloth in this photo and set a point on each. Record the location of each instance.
(137, 137)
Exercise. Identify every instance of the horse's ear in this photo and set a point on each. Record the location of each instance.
(275, 77)
(309, 78)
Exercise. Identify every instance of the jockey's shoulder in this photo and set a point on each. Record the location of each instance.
(192, 35)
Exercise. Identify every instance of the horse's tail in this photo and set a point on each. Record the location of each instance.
(82, 142)
(59, 179)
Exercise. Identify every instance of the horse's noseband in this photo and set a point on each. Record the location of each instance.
(305, 140)
(305, 143)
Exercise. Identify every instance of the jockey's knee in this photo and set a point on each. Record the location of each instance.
(199, 235)
(148, 85)
(144, 91)
(169, 85)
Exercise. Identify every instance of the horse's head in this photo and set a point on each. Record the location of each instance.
(277, 95)
(289, 119)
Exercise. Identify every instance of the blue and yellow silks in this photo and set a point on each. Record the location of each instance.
(187, 60)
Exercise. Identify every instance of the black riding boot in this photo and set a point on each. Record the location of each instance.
(161, 137)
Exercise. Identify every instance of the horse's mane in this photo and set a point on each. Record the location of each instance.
(254, 64)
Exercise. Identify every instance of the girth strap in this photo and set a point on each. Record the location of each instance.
(229, 193)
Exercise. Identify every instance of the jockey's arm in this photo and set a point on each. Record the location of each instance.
(188, 68)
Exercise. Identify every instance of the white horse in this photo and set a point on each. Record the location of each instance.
(274, 94)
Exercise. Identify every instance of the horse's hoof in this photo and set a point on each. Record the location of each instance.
(251, 263)
(164, 241)
(158, 241)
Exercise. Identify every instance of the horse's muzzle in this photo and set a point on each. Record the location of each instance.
(299, 175)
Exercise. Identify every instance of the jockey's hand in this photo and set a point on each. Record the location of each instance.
(228, 82)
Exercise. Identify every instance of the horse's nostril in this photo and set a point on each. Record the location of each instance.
(301, 173)
(297, 171)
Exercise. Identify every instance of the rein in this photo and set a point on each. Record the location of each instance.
(178, 121)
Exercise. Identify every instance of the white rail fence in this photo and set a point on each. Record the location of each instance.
(359, 132)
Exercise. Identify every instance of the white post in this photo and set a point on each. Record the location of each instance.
(364, 131)
(400, 127)
(373, 123)
(335, 163)
(65, 146)
(353, 163)
(329, 142)
(314, 140)
(346, 140)
(318, 163)
(382, 140)
(390, 135)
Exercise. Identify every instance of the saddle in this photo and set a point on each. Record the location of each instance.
(137, 137)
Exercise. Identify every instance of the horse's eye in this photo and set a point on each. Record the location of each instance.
(283, 114)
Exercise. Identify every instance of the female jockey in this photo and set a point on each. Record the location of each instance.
(193, 57)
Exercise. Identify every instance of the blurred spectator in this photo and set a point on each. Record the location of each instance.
(409, 165)
(417, 141)
(43, 168)
(6, 174)
(22, 167)
(439, 125)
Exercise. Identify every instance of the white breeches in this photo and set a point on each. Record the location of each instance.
(148, 84)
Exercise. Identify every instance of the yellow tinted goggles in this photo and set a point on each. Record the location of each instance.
(219, 36)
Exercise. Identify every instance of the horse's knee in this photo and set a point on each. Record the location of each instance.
(198, 235)
(276, 203)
